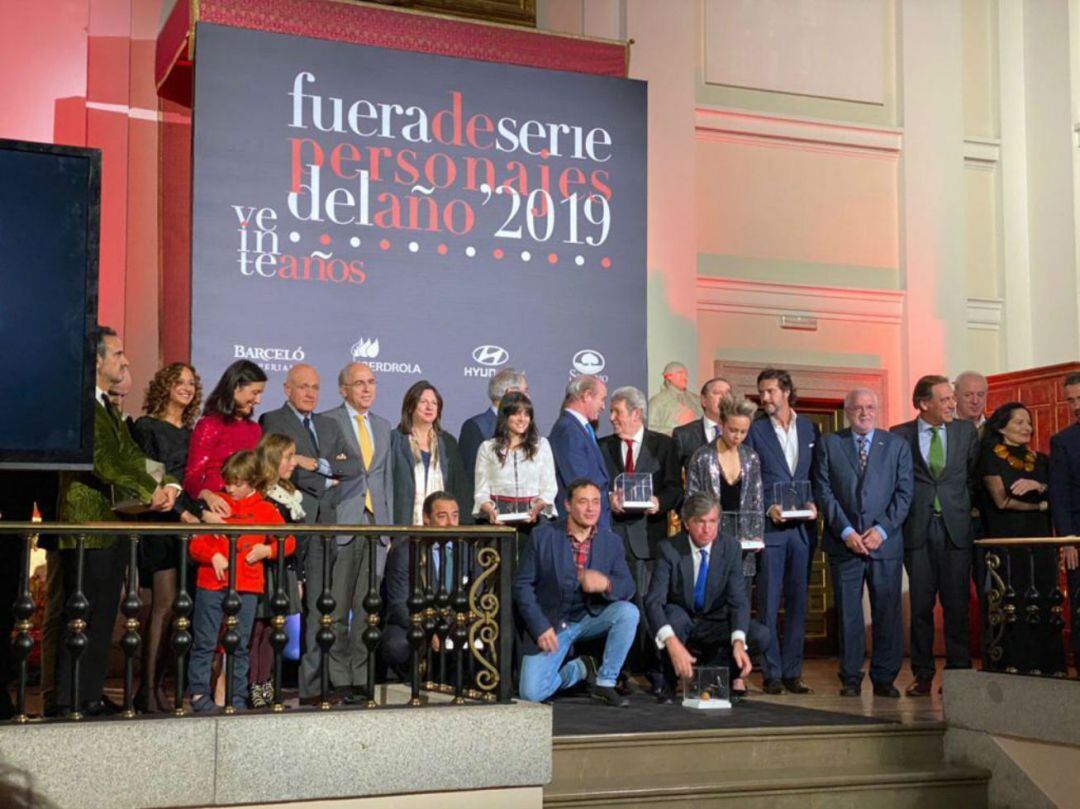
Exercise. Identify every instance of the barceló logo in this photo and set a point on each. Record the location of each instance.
(490, 355)
(589, 361)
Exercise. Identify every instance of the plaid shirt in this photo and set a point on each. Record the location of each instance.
(580, 550)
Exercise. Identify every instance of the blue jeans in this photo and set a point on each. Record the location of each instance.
(206, 624)
(543, 674)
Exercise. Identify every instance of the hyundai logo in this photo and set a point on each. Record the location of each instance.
(490, 355)
(588, 361)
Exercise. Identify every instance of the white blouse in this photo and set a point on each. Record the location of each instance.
(518, 477)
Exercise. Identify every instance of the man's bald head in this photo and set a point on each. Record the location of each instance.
(302, 388)
(356, 382)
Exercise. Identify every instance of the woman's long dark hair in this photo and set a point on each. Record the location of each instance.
(412, 401)
(236, 376)
(512, 403)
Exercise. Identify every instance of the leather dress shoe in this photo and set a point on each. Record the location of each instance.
(920, 688)
(886, 690)
(772, 686)
(101, 707)
(664, 696)
(850, 690)
(796, 685)
(609, 696)
(358, 695)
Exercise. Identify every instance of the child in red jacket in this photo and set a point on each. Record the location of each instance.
(242, 475)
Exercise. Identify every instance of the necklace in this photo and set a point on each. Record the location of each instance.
(1027, 464)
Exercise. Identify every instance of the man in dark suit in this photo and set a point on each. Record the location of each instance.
(690, 437)
(633, 449)
(1065, 499)
(324, 461)
(784, 441)
(937, 532)
(573, 440)
(697, 605)
(864, 484)
(479, 428)
(572, 583)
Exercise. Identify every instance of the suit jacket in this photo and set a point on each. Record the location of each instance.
(474, 432)
(378, 478)
(578, 456)
(703, 475)
(1065, 481)
(673, 583)
(320, 501)
(689, 438)
(455, 480)
(659, 458)
(774, 469)
(118, 464)
(882, 496)
(396, 589)
(955, 488)
(546, 583)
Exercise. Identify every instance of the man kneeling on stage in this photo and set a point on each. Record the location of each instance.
(697, 602)
(572, 584)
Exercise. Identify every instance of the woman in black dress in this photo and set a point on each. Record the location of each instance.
(172, 403)
(1015, 504)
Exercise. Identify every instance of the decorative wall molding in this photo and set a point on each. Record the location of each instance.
(727, 124)
(982, 153)
(825, 303)
(985, 314)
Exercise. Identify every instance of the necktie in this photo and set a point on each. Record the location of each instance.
(937, 460)
(367, 452)
(864, 453)
(628, 467)
(592, 432)
(311, 431)
(699, 584)
(444, 572)
(715, 433)
(114, 414)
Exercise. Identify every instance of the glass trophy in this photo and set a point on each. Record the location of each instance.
(513, 507)
(793, 498)
(707, 689)
(635, 489)
(746, 526)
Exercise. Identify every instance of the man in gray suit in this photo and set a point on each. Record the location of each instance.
(863, 484)
(366, 500)
(937, 532)
(326, 464)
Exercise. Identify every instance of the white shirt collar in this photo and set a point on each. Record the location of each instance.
(298, 414)
(638, 436)
(581, 419)
(709, 423)
(791, 424)
(100, 395)
(353, 412)
(925, 426)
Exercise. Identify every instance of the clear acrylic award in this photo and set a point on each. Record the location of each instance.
(635, 490)
(513, 506)
(793, 499)
(707, 689)
(746, 526)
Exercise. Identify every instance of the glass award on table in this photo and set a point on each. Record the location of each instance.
(794, 499)
(707, 689)
(634, 490)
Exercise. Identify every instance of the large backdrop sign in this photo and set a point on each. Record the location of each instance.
(436, 218)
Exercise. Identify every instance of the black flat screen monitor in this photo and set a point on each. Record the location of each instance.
(50, 202)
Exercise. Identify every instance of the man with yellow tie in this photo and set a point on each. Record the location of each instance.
(367, 500)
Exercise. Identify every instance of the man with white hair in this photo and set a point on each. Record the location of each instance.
(674, 405)
(573, 440)
(479, 428)
(971, 388)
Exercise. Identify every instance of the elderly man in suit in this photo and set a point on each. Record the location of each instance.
(119, 468)
(633, 449)
(367, 499)
(697, 606)
(864, 484)
(572, 584)
(325, 462)
(1065, 498)
(937, 532)
(573, 440)
(689, 438)
(479, 428)
(784, 441)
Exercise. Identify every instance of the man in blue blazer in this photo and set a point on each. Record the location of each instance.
(479, 428)
(1065, 498)
(697, 605)
(864, 484)
(572, 583)
(573, 440)
(784, 441)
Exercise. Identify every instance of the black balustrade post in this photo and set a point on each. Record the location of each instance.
(416, 618)
(279, 606)
(131, 641)
(433, 572)
(442, 608)
(459, 606)
(230, 640)
(372, 605)
(325, 636)
(506, 544)
(181, 635)
(77, 608)
(995, 608)
(21, 643)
